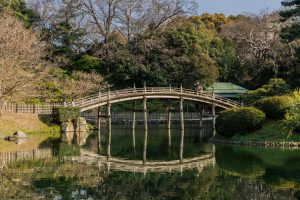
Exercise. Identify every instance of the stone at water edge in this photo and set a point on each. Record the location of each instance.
(81, 132)
(67, 132)
(20, 134)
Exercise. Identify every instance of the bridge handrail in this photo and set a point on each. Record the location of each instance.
(107, 95)
(149, 90)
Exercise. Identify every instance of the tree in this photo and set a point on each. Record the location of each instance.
(63, 35)
(19, 9)
(292, 14)
(176, 54)
(59, 86)
(291, 32)
(20, 59)
(258, 46)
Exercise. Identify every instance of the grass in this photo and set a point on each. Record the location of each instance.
(28, 123)
(272, 131)
(38, 129)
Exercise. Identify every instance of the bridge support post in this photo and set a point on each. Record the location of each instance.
(133, 126)
(181, 145)
(182, 129)
(146, 131)
(169, 116)
(201, 114)
(169, 124)
(99, 128)
(109, 130)
(181, 114)
(214, 115)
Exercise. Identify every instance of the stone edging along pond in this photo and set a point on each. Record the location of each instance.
(295, 145)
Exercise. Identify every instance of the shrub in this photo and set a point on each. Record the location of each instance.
(274, 107)
(239, 120)
(66, 114)
(276, 86)
(292, 118)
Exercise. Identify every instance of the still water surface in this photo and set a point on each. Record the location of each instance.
(238, 172)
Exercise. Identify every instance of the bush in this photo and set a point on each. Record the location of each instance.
(274, 107)
(276, 86)
(239, 120)
(66, 114)
(292, 118)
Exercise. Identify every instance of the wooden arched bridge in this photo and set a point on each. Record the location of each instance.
(102, 99)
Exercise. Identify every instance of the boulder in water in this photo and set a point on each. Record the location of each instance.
(67, 132)
(81, 131)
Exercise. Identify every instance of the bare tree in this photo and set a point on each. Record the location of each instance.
(20, 63)
(257, 41)
(57, 86)
(130, 18)
(158, 12)
(101, 15)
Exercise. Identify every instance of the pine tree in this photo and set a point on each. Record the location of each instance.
(291, 32)
(64, 37)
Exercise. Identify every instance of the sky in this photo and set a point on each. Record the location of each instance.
(234, 7)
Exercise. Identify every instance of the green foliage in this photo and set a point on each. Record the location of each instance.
(292, 118)
(66, 114)
(276, 86)
(292, 32)
(64, 42)
(88, 64)
(68, 150)
(274, 107)
(178, 54)
(19, 9)
(239, 120)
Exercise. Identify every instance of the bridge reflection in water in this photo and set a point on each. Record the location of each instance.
(138, 166)
(106, 162)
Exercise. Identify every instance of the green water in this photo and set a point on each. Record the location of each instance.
(239, 172)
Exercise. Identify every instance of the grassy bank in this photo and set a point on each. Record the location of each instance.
(29, 123)
(272, 131)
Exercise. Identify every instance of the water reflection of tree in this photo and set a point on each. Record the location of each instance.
(274, 167)
(126, 185)
(238, 163)
(32, 179)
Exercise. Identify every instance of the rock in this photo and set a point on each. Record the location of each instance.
(81, 131)
(20, 141)
(20, 134)
(67, 132)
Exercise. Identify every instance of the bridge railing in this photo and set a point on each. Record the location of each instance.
(106, 96)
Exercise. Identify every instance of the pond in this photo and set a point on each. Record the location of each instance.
(207, 171)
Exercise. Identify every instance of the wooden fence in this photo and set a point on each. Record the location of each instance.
(8, 157)
(30, 108)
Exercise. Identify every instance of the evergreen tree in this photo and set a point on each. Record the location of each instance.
(19, 9)
(291, 33)
(64, 36)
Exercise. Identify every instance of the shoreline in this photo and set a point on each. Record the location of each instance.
(272, 144)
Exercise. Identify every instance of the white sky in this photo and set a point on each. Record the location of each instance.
(234, 7)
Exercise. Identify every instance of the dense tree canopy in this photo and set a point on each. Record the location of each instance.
(123, 42)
